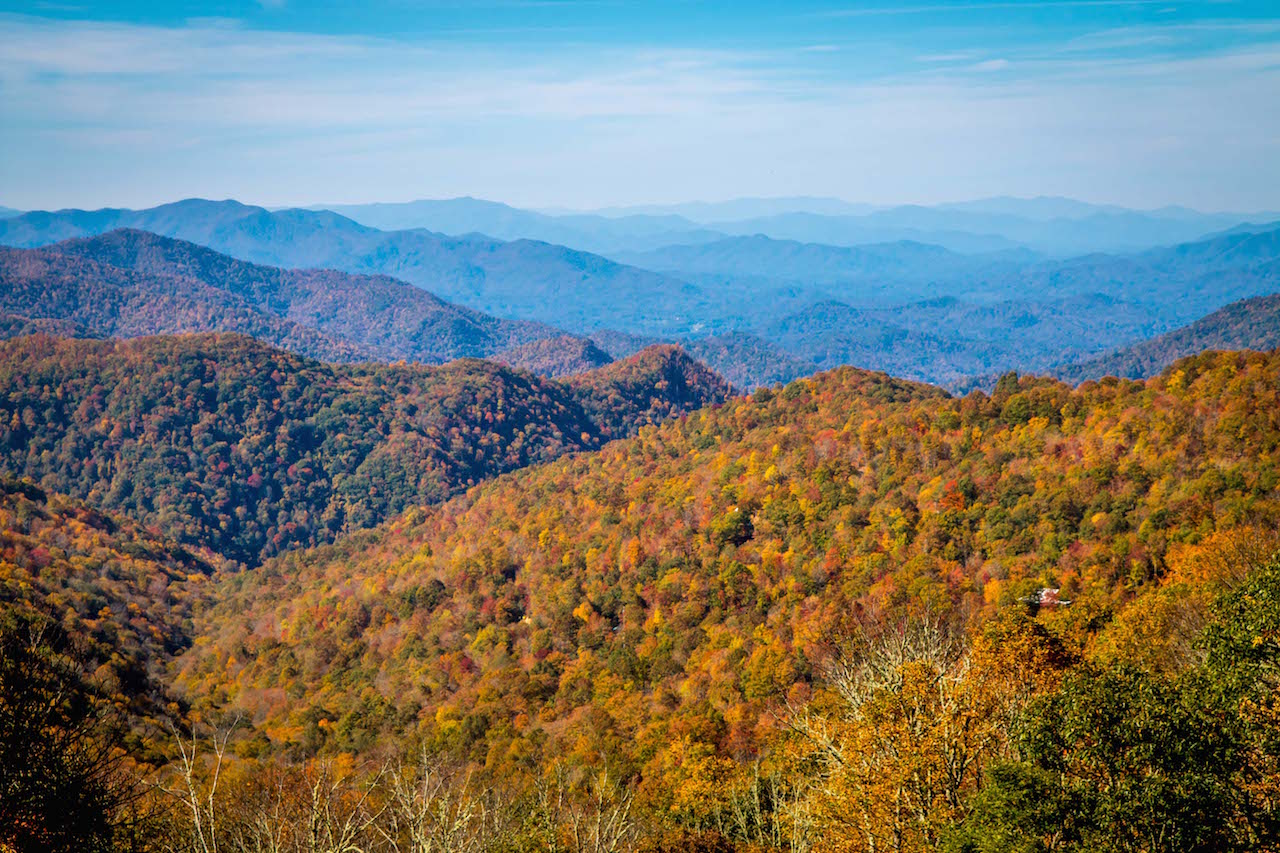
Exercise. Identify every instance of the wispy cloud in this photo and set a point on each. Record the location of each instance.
(990, 65)
(139, 114)
(956, 56)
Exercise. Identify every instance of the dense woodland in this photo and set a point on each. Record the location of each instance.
(748, 361)
(224, 443)
(851, 613)
(563, 355)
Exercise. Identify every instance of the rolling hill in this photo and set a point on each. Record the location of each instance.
(43, 290)
(555, 357)
(746, 360)
(872, 275)
(832, 333)
(791, 260)
(950, 342)
(1252, 324)
(376, 317)
(670, 606)
(1176, 285)
(224, 443)
(655, 384)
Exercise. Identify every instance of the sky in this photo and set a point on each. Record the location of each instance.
(594, 103)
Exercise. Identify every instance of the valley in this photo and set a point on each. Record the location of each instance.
(597, 426)
(335, 533)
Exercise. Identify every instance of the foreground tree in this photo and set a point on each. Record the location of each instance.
(1122, 759)
(62, 787)
(918, 717)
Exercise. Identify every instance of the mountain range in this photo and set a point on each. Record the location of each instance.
(374, 317)
(1247, 324)
(1058, 227)
(522, 279)
(767, 309)
(259, 552)
(586, 232)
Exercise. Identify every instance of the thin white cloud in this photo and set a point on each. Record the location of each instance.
(955, 56)
(135, 115)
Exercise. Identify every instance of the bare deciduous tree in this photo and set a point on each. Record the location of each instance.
(431, 809)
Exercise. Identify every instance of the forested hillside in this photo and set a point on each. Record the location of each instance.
(42, 290)
(226, 443)
(1247, 324)
(134, 283)
(748, 361)
(564, 355)
(124, 594)
(647, 388)
(705, 614)
(346, 605)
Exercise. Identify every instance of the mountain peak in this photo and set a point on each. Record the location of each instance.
(563, 355)
(659, 381)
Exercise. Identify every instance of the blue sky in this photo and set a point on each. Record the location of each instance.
(583, 103)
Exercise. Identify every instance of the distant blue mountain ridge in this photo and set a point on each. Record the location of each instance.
(1059, 227)
(758, 308)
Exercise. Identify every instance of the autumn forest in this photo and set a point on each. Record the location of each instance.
(257, 602)
(601, 426)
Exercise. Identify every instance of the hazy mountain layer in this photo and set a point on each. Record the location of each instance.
(590, 233)
(1055, 226)
(919, 310)
(378, 316)
(1248, 324)
(522, 279)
